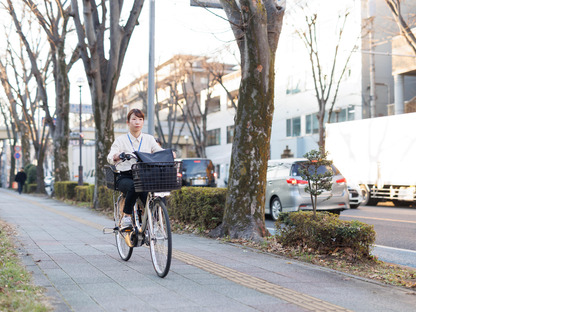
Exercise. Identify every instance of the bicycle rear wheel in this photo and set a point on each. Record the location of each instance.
(160, 237)
(124, 250)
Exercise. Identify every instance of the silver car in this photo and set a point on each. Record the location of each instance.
(285, 189)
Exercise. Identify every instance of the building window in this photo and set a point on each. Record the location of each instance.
(293, 127)
(213, 137)
(350, 113)
(213, 105)
(343, 114)
(311, 124)
(230, 134)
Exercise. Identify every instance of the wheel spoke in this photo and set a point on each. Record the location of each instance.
(160, 233)
(124, 250)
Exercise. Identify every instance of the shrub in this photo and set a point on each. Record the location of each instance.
(318, 181)
(325, 233)
(30, 188)
(84, 193)
(105, 198)
(65, 189)
(30, 171)
(203, 207)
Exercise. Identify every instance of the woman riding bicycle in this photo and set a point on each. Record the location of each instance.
(133, 141)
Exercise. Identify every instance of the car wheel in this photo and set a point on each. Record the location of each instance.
(275, 208)
(373, 201)
(354, 206)
(364, 194)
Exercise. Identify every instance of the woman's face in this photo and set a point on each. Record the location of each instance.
(135, 124)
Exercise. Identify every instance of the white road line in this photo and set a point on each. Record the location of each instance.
(393, 248)
(272, 230)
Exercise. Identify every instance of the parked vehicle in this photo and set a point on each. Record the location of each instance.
(378, 154)
(285, 189)
(89, 176)
(355, 195)
(198, 172)
(49, 185)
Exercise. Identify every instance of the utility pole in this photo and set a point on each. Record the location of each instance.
(372, 101)
(80, 82)
(151, 75)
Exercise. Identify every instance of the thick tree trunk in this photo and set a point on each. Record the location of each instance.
(104, 137)
(60, 137)
(25, 147)
(244, 211)
(40, 173)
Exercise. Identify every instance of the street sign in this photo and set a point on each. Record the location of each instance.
(75, 109)
(16, 155)
(16, 148)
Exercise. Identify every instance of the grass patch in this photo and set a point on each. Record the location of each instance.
(17, 293)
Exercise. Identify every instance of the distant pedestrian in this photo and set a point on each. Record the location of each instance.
(20, 178)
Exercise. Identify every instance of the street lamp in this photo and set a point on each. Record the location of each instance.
(186, 144)
(80, 82)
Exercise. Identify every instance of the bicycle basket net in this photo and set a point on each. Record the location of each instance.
(156, 176)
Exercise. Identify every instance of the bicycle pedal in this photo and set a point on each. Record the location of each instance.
(110, 230)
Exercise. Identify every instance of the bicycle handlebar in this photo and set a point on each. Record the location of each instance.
(124, 157)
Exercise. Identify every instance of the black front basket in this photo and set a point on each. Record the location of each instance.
(156, 176)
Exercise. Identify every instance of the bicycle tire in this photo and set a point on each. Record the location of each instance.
(124, 250)
(159, 237)
(137, 216)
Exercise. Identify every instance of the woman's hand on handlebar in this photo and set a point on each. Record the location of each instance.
(124, 156)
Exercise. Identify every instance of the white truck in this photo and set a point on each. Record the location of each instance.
(377, 154)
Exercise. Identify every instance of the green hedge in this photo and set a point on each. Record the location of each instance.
(105, 198)
(84, 193)
(30, 188)
(66, 190)
(325, 233)
(30, 171)
(202, 207)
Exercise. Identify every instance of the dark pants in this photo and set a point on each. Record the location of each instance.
(125, 184)
(20, 186)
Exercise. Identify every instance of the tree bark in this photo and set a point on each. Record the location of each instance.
(256, 26)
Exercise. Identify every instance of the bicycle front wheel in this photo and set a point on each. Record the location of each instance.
(121, 237)
(160, 238)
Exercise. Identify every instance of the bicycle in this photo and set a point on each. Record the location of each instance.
(151, 228)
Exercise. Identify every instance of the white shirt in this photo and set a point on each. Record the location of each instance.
(127, 143)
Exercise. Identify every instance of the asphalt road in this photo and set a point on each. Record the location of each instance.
(395, 228)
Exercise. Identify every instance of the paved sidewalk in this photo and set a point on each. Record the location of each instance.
(63, 246)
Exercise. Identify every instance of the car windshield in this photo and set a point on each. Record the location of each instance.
(196, 166)
(321, 170)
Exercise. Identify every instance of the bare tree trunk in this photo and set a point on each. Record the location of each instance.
(257, 41)
(60, 137)
(54, 22)
(103, 74)
(325, 81)
(11, 132)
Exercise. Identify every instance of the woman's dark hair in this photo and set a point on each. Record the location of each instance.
(137, 112)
